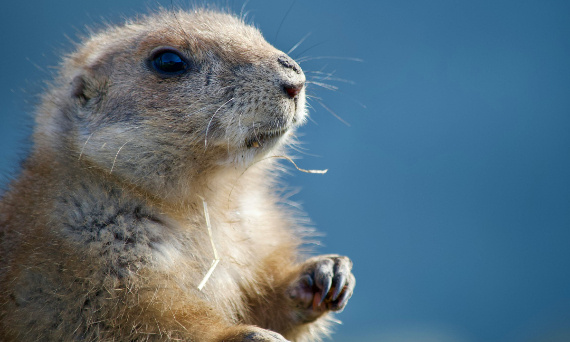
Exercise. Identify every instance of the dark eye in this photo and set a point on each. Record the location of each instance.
(168, 62)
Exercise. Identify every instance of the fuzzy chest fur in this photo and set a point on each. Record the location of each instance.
(135, 244)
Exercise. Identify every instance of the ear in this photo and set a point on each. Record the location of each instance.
(85, 87)
(78, 89)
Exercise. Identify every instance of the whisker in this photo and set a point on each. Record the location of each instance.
(333, 113)
(182, 119)
(283, 20)
(210, 122)
(307, 49)
(299, 43)
(352, 59)
(300, 150)
(323, 85)
(315, 97)
(319, 72)
(330, 78)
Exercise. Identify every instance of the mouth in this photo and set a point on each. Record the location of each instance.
(266, 138)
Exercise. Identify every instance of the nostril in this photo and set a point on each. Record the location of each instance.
(292, 90)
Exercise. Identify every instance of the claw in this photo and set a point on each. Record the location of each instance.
(326, 288)
(339, 285)
(343, 299)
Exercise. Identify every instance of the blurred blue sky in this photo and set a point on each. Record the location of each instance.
(450, 189)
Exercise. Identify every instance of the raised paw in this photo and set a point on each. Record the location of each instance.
(252, 334)
(325, 283)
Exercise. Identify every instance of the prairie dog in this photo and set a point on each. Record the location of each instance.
(104, 234)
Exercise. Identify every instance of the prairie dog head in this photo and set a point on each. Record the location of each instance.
(174, 94)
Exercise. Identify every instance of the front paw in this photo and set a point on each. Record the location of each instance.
(251, 334)
(325, 283)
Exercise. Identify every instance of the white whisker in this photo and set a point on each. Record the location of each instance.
(309, 48)
(333, 113)
(305, 59)
(299, 43)
(323, 85)
(210, 122)
(330, 78)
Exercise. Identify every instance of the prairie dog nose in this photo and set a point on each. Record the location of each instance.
(293, 90)
(294, 84)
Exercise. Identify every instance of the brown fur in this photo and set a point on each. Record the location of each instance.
(103, 234)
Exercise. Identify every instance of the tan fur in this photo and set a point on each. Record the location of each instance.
(103, 234)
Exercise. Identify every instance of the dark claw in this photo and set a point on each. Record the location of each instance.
(339, 282)
(325, 290)
(345, 294)
(343, 300)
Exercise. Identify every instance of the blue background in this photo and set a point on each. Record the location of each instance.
(450, 189)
